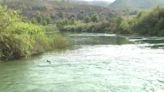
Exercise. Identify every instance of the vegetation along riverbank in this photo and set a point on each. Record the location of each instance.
(22, 39)
(150, 23)
(34, 29)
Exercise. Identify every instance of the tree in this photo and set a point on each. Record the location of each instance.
(87, 19)
(95, 17)
(61, 14)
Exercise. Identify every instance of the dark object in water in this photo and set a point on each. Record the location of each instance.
(48, 61)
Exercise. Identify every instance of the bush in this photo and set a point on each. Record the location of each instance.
(22, 39)
(150, 23)
(87, 27)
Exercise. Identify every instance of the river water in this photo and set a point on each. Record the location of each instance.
(97, 63)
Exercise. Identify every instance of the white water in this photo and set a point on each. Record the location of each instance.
(94, 67)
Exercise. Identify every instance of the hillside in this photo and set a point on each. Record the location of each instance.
(53, 10)
(136, 4)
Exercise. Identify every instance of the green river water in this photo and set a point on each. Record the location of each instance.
(97, 63)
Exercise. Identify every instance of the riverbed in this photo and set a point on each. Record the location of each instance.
(97, 63)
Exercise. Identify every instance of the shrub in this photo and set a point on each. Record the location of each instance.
(22, 39)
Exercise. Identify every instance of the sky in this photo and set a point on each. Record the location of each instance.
(102, 0)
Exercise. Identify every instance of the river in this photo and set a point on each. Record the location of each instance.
(97, 63)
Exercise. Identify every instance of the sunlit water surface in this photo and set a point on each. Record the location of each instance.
(98, 63)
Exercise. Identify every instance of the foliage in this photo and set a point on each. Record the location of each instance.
(49, 11)
(19, 39)
(62, 22)
(121, 26)
(52, 28)
(7, 18)
(87, 27)
(151, 23)
(39, 19)
(94, 17)
(145, 23)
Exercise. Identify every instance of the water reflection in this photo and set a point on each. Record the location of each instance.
(98, 39)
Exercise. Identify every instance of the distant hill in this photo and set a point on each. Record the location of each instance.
(136, 4)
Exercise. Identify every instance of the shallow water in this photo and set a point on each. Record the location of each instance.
(99, 63)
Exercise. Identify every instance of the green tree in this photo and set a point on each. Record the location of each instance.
(94, 17)
(61, 14)
(87, 19)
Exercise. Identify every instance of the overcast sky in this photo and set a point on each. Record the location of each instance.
(102, 0)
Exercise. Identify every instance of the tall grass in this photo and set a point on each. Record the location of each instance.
(23, 39)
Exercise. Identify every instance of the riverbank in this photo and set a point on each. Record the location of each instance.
(19, 38)
(147, 23)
